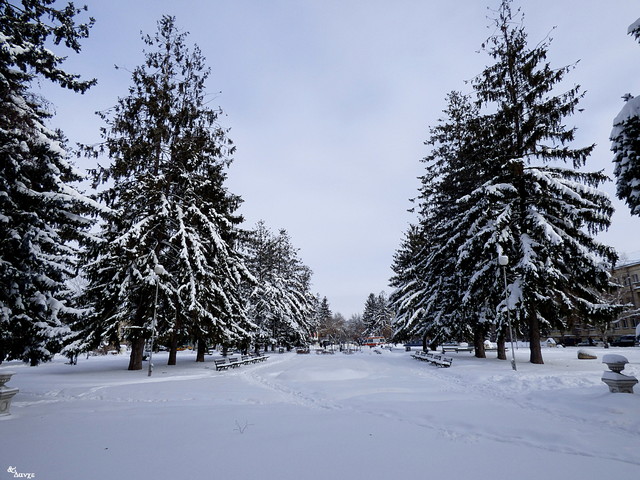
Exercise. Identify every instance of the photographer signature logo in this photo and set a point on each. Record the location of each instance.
(17, 474)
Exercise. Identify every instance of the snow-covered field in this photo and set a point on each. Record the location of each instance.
(365, 415)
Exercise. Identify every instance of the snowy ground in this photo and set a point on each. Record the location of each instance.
(366, 415)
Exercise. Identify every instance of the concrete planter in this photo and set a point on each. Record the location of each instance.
(6, 393)
(615, 362)
(616, 381)
(619, 383)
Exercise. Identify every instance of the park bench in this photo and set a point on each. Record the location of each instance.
(234, 362)
(246, 359)
(457, 348)
(433, 358)
(222, 364)
(253, 358)
(257, 357)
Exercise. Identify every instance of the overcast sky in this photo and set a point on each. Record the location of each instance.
(329, 103)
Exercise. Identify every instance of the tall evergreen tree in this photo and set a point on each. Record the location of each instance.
(549, 214)
(408, 296)
(325, 320)
(490, 189)
(625, 138)
(377, 315)
(42, 215)
(325, 309)
(280, 302)
(169, 207)
(428, 280)
(384, 315)
(369, 314)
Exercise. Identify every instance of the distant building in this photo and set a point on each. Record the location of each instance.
(627, 276)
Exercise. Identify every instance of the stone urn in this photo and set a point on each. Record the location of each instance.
(5, 376)
(6, 393)
(616, 381)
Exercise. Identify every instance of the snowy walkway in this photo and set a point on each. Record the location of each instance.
(311, 416)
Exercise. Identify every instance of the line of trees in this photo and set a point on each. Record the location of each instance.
(503, 179)
(158, 242)
(375, 320)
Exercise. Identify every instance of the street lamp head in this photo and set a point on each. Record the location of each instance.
(159, 269)
(503, 260)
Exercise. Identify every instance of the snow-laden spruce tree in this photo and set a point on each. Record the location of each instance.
(165, 186)
(428, 280)
(378, 315)
(408, 294)
(369, 314)
(625, 138)
(42, 215)
(324, 323)
(491, 189)
(543, 217)
(279, 301)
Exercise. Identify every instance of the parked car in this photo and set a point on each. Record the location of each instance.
(624, 341)
(591, 343)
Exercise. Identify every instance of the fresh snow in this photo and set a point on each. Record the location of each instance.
(614, 358)
(630, 109)
(365, 415)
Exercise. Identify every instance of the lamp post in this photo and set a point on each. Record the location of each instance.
(158, 270)
(503, 261)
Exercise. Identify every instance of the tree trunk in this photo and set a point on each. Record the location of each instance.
(478, 342)
(137, 351)
(173, 349)
(176, 335)
(202, 347)
(502, 352)
(245, 346)
(534, 341)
